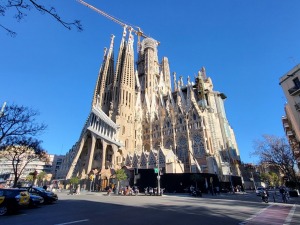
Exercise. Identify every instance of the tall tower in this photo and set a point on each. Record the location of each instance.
(124, 93)
(117, 79)
(102, 93)
(148, 73)
(165, 68)
(148, 66)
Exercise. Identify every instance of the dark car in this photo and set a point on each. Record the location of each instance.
(49, 196)
(35, 200)
(12, 199)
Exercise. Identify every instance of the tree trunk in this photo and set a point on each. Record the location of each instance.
(118, 187)
(15, 181)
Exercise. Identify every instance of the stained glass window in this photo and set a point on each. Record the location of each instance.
(198, 146)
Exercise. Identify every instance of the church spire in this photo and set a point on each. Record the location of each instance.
(124, 110)
(107, 72)
(118, 73)
(96, 96)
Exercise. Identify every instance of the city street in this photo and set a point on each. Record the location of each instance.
(97, 208)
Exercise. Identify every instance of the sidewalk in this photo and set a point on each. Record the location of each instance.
(292, 200)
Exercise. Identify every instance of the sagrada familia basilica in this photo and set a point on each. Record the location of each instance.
(142, 118)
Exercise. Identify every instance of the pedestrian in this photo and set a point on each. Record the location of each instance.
(191, 189)
(218, 190)
(78, 189)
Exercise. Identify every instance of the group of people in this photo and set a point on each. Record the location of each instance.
(75, 191)
(283, 191)
(153, 191)
(284, 194)
(127, 190)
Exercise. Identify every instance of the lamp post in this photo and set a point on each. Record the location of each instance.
(158, 175)
(253, 180)
(230, 173)
(232, 189)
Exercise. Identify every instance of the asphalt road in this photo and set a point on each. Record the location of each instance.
(97, 208)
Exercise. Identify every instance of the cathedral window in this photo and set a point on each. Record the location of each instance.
(182, 149)
(198, 146)
(129, 99)
(168, 143)
(194, 116)
(123, 131)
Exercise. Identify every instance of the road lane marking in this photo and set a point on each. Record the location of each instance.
(71, 222)
(255, 215)
(274, 214)
(290, 216)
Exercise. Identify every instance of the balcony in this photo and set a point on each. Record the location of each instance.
(297, 106)
(294, 90)
(286, 125)
(290, 133)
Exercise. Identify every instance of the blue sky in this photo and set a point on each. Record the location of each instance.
(245, 45)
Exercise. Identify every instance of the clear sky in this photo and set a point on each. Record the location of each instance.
(245, 46)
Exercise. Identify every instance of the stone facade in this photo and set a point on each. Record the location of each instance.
(138, 120)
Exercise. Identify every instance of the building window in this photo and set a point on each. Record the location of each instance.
(296, 82)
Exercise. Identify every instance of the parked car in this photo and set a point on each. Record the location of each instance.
(35, 200)
(49, 196)
(12, 199)
(259, 190)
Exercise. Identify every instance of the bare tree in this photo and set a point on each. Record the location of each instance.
(18, 143)
(20, 153)
(19, 121)
(21, 8)
(276, 151)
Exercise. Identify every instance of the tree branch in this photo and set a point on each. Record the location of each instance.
(9, 32)
(21, 5)
(53, 13)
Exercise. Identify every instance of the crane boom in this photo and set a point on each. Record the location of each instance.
(138, 32)
(102, 13)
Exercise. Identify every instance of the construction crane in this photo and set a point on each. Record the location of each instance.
(137, 31)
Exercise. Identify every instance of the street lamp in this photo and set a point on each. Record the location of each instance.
(158, 175)
(232, 189)
(230, 173)
(253, 180)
